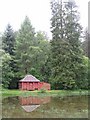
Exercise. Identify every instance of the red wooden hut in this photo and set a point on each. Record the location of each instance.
(29, 82)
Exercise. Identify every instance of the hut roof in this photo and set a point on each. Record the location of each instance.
(29, 78)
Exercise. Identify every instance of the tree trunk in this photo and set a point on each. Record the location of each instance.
(25, 70)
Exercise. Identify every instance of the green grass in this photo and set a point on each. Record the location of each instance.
(8, 93)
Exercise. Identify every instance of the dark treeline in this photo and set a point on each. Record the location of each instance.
(62, 61)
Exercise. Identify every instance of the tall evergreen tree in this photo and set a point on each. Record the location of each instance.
(66, 51)
(59, 47)
(24, 46)
(8, 45)
(86, 44)
(73, 33)
(8, 40)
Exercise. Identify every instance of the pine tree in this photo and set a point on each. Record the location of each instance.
(8, 45)
(73, 32)
(67, 58)
(86, 44)
(60, 47)
(8, 40)
(24, 46)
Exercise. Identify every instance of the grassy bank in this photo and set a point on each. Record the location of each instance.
(7, 93)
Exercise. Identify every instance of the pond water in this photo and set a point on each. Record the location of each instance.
(45, 107)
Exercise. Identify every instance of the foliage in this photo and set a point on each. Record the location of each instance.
(24, 46)
(6, 70)
(86, 44)
(28, 52)
(8, 40)
(68, 69)
(31, 50)
(86, 84)
(42, 91)
(9, 65)
(59, 61)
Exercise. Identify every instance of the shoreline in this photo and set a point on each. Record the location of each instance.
(59, 93)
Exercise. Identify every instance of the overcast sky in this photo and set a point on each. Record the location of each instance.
(14, 12)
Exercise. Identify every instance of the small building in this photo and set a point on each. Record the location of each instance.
(29, 82)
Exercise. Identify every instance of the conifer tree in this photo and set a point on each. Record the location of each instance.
(8, 41)
(67, 59)
(73, 34)
(60, 47)
(24, 42)
(8, 65)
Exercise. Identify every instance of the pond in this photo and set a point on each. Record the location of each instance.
(45, 107)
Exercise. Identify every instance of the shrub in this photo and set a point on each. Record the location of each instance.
(42, 91)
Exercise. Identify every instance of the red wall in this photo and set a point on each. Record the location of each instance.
(45, 86)
(34, 85)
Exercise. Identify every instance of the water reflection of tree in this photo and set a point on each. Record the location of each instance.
(60, 107)
(10, 107)
(65, 107)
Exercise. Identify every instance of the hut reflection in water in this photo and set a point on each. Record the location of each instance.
(29, 104)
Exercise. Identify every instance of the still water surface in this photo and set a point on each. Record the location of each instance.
(45, 107)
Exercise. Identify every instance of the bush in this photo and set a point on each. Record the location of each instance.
(42, 91)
